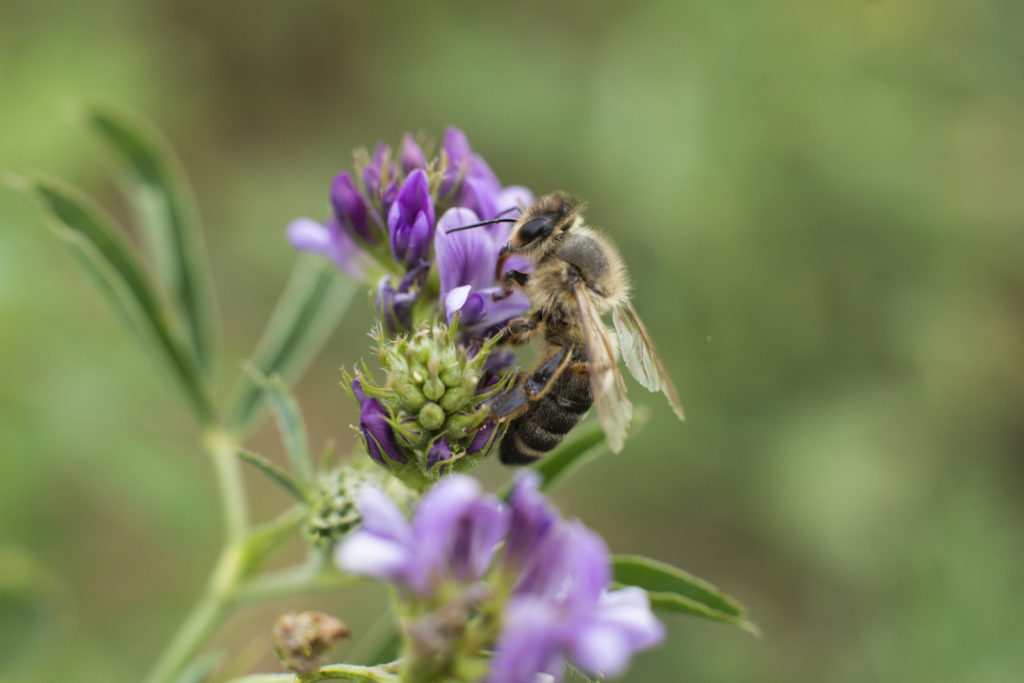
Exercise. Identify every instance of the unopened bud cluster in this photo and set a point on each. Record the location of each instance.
(333, 512)
(427, 418)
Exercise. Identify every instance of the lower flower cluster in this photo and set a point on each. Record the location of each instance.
(501, 592)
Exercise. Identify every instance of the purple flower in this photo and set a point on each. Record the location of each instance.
(466, 263)
(561, 608)
(351, 210)
(331, 241)
(375, 428)
(411, 220)
(453, 535)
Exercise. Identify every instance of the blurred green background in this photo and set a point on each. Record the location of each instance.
(821, 207)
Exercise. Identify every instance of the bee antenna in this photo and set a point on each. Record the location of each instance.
(508, 210)
(477, 225)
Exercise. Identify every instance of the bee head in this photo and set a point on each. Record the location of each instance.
(547, 218)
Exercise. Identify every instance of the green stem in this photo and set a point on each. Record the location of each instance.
(227, 572)
(350, 672)
(203, 619)
(335, 672)
(222, 448)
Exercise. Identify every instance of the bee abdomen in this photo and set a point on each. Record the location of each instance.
(548, 420)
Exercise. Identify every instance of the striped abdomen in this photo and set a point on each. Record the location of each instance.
(549, 418)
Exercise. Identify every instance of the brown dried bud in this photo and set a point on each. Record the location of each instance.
(300, 639)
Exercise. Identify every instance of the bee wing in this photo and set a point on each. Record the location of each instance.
(641, 358)
(613, 408)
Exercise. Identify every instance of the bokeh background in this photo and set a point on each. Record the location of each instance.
(821, 206)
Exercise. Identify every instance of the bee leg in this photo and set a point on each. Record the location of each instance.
(543, 378)
(509, 281)
(509, 405)
(514, 402)
(518, 330)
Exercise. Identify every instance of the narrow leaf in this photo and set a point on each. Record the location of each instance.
(95, 241)
(290, 424)
(275, 472)
(314, 301)
(166, 211)
(574, 453)
(672, 588)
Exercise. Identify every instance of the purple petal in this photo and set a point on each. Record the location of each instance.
(364, 553)
(305, 234)
(350, 207)
(570, 567)
(381, 516)
(357, 389)
(528, 644)
(372, 173)
(514, 196)
(479, 196)
(601, 650)
(476, 538)
(481, 438)
(466, 257)
(457, 150)
(411, 220)
(331, 241)
(440, 451)
(440, 518)
(455, 300)
(621, 624)
(380, 437)
(532, 518)
(380, 547)
(629, 610)
(412, 155)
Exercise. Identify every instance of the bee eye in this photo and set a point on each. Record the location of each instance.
(537, 227)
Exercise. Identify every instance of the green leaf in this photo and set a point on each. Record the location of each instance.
(290, 424)
(276, 473)
(674, 589)
(166, 211)
(94, 240)
(579, 449)
(314, 301)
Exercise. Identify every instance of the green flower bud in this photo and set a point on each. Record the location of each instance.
(433, 388)
(430, 404)
(452, 374)
(431, 416)
(455, 399)
(333, 513)
(411, 397)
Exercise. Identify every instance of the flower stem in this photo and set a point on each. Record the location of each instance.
(227, 572)
(203, 619)
(222, 448)
(335, 672)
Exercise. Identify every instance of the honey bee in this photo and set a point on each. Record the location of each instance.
(577, 276)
